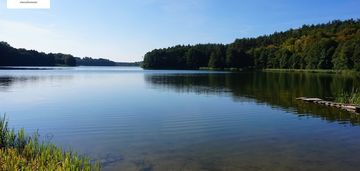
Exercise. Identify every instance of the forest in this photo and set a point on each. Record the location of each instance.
(334, 45)
(10, 56)
(88, 61)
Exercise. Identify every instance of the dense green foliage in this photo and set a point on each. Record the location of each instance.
(20, 152)
(10, 56)
(87, 61)
(335, 45)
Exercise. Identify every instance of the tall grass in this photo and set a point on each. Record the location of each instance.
(350, 98)
(21, 152)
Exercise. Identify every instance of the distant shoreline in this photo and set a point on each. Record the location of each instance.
(50, 67)
(26, 68)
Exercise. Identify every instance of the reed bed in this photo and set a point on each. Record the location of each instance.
(21, 152)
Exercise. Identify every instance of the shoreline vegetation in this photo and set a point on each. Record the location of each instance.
(331, 46)
(11, 56)
(19, 151)
(88, 61)
(349, 98)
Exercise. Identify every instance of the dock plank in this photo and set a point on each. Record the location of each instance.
(348, 107)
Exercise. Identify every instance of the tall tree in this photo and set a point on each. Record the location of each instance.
(193, 58)
(217, 58)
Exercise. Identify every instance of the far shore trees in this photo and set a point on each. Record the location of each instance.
(10, 56)
(335, 45)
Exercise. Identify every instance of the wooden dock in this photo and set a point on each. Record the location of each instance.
(348, 107)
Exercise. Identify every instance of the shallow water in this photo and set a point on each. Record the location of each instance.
(131, 119)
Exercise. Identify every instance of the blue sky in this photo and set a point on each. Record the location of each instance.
(124, 30)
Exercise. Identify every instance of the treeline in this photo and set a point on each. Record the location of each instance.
(10, 56)
(87, 61)
(335, 45)
(128, 63)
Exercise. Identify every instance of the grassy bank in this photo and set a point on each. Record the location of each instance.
(21, 152)
(350, 98)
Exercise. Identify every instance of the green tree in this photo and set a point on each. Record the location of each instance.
(193, 58)
(342, 58)
(333, 45)
(327, 48)
(231, 57)
(356, 56)
(284, 58)
(217, 58)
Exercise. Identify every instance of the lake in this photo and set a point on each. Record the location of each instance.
(134, 119)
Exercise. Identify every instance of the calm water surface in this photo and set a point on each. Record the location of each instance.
(131, 119)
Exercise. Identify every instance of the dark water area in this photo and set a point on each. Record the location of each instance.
(131, 119)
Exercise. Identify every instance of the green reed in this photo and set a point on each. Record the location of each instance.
(21, 152)
(352, 98)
